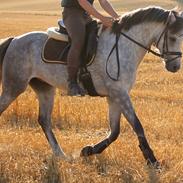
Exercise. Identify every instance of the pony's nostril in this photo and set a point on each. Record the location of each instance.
(174, 67)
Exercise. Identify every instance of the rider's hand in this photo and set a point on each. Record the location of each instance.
(107, 21)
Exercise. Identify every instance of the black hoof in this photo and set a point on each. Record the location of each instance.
(87, 151)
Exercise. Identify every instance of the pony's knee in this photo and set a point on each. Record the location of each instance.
(114, 135)
(43, 121)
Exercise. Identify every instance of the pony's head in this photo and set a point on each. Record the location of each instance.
(169, 42)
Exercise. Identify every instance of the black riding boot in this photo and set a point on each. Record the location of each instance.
(74, 89)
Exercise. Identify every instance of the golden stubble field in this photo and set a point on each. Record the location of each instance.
(25, 156)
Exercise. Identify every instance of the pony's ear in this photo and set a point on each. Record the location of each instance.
(172, 17)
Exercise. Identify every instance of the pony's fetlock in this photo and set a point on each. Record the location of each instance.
(148, 155)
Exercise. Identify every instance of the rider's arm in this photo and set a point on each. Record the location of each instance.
(108, 8)
(107, 21)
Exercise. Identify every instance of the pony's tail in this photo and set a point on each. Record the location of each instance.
(4, 43)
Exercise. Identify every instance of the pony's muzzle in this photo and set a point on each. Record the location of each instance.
(173, 66)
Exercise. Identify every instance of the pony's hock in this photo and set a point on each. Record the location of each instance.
(21, 61)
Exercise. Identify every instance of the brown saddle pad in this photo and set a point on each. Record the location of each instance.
(56, 51)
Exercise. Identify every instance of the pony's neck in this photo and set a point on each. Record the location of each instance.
(146, 34)
(155, 30)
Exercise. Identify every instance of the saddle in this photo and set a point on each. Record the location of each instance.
(57, 45)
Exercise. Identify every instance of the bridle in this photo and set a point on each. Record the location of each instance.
(165, 50)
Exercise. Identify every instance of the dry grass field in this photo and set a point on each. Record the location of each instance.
(25, 156)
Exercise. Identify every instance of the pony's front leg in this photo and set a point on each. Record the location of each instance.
(129, 113)
(114, 119)
(120, 102)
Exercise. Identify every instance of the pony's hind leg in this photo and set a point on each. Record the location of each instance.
(10, 91)
(45, 94)
(114, 122)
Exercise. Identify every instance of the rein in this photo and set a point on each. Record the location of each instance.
(165, 50)
(117, 58)
(165, 46)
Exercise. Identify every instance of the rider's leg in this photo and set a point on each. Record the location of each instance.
(75, 22)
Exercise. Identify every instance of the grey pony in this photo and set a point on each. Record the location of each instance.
(22, 65)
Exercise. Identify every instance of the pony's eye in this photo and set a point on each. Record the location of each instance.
(172, 39)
